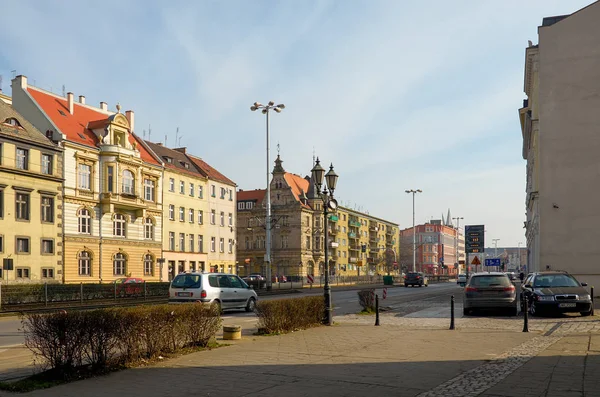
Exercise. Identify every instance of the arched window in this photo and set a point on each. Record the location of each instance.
(148, 265)
(119, 222)
(84, 260)
(148, 229)
(128, 182)
(119, 264)
(84, 221)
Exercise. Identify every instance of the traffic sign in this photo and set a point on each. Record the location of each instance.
(476, 261)
(474, 238)
(492, 262)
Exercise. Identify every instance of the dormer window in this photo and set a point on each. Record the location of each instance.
(168, 159)
(12, 121)
(184, 164)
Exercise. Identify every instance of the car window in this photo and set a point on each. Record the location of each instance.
(224, 282)
(186, 281)
(490, 281)
(555, 280)
(235, 282)
(213, 281)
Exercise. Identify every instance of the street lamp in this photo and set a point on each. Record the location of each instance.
(414, 231)
(266, 110)
(495, 241)
(519, 254)
(329, 203)
(457, 219)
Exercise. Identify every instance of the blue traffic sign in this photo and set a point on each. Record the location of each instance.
(492, 262)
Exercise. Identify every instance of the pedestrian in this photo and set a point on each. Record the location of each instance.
(521, 276)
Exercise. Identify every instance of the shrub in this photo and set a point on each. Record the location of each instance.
(366, 299)
(285, 315)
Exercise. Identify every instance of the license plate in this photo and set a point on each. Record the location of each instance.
(567, 305)
(183, 294)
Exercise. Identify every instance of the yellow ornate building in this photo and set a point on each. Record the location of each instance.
(30, 201)
(112, 191)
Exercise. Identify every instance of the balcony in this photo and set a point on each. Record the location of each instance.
(354, 223)
(333, 230)
(112, 201)
(352, 260)
(333, 218)
(352, 235)
(354, 247)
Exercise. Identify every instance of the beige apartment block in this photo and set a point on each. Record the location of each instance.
(30, 201)
(561, 137)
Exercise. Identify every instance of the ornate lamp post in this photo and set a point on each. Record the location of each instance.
(329, 203)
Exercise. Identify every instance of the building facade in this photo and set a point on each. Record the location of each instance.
(112, 201)
(30, 201)
(560, 127)
(359, 244)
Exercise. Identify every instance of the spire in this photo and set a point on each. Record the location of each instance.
(278, 167)
(443, 220)
(449, 218)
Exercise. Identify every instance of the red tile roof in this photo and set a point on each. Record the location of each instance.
(297, 183)
(257, 195)
(178, 157)
(75, 126)
(210, 171)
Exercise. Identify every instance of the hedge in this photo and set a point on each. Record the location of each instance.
(366, 299)
(285, 315)
(65, 341)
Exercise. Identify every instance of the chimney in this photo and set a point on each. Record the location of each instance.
(21, 81)
(70, 101)
(82, 99)
(131, 118)
(103, 106)
(180, 149)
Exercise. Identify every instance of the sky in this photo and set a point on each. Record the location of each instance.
(396, 94)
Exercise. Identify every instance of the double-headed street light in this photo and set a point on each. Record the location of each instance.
(329, 203)
(457, 219)
(414, 231)
(266, 110)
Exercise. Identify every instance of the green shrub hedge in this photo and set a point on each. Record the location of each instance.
(366, 299)
(285, 315)
(64, 341)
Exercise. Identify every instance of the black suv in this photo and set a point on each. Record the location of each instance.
(415, 278)
(556, 292)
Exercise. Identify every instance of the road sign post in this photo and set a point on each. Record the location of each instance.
(474, 242)
(492, 262)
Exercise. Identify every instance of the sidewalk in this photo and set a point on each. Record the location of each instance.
(350, 359)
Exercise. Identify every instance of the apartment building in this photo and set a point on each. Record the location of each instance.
(30, 202)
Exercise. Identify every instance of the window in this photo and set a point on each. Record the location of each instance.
(307, 242)
(22, 204)
(213, 216)
(181, 214)
(182, 187)
(47, 209)
(85, 177)
(192, 244)
(241, 206)
(148, 265)
(230, 246)
(182, 242)
(84, 261)
(22, 272)
(84, 221)
(317, 243)
(171, 184)
(222, 218)
(1, 203)
(47, 272)
(22, 159)
(191, 215)
(200, 192)
(284, 241)
(171, 212)
(221, 244)
(223, 191)
(47, 164)
(213, 244)
(230, 194)
(248, 246)
(149, 188)
(192, 189)
(128, 182)
(23, 245)
(119, 225)
(119, 264)
(249, 205)
(230, 219)
(110, 178)
(171, 241)
(200, 243)
(213, 190)
(148, 229)
(47, 246)
(200, 217)
(1, 247)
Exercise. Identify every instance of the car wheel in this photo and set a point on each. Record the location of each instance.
(590, 313)
(251, 305)
(533, 309)
(513, 311)
(216, 306)
(405, 286)
(466, 311)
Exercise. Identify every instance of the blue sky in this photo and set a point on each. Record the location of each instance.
(397, 94)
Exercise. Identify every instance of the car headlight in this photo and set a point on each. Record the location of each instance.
(545, 298)
(585, 298)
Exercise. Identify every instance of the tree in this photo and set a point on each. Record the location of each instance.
(405, 257)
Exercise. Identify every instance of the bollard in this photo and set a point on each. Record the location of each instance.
(81, 292)
(452, 312)
(525, 315)
(115, 283)
(46, 293)
(145, 290)
(376, 309)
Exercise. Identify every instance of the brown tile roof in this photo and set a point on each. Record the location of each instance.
(24, 131)
(211, 172)
(257, 195)
(179, 159)
(298, 185)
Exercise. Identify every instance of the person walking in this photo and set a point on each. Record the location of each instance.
(521, 276)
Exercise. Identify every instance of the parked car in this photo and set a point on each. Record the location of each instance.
(256, 280)
(492, 290)
(461, 279)
(222, 290)
(512, 276)
(128, 286)
(555, 292)
(415, 278)
(278, 279)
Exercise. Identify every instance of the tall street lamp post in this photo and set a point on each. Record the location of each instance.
(266, 109)
(495, 240)
(519, 254)
(457, 219)
(414, 231)
(329, 203)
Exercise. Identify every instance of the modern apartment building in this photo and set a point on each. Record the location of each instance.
(358, 243)
(112, 201)
(30, 201)
(560, 126)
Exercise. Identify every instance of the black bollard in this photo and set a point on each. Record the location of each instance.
(525, 315)
(452, 312)
(376, 310)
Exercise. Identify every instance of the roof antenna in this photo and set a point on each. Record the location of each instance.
(14, 73)
(277, 146)
(165, 140)
(314, 156)
(176, 134)
(149, 131)
(144, 134)
(64, 91)
(179, 141)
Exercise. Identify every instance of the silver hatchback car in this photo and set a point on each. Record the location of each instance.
(223, 290)
(490, 291)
